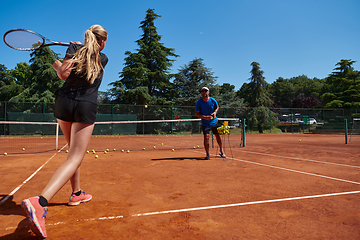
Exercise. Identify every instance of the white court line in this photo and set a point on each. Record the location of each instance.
(296, 171)
(29, 178)
(206, 208)
(302, 159)
(245, 203)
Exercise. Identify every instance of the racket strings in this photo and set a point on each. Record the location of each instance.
(23, 40)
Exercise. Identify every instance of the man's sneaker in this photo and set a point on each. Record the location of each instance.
(222, 155)
(36, 215)
(207, 157)
(76, 200)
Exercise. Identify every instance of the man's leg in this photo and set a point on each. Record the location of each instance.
(207, 144)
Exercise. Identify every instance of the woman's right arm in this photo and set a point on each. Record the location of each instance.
(63, 69)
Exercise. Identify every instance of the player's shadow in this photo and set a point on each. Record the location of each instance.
(178, 159)
(22, 231)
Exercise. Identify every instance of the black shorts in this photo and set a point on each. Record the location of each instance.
(71, 110)
(206, 129)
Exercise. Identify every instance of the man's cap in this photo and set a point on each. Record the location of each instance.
(204, 88)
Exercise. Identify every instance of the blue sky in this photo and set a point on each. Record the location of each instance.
(287, 38)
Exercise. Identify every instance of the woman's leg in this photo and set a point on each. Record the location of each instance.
(66, 129)
(80, 135)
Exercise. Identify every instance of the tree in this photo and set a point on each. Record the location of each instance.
(229, 100)
(302, 101)
(284, 91)
(343, 89)
(258, 95)
(190, 79)
(145, 79)
(44, 80)
(37, 82)
(8, 85)
(259, 99)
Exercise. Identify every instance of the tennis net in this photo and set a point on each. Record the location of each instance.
(34, 137)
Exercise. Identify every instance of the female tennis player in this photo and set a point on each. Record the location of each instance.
(75, 111)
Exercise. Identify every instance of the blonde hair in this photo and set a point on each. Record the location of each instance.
(87, 59)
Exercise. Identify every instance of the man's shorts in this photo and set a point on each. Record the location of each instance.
(206, 129)
(71, 110)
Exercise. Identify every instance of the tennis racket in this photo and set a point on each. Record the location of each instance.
(27, 40)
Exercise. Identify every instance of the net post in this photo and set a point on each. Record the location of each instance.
(243, 132)
(346, 131)
(57, 136)
(212, 139)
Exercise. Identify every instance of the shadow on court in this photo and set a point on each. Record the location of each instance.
(22, 231)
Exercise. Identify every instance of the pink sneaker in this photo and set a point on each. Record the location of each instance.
(36, 215)
(76, 200)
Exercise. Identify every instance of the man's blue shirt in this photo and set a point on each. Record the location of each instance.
(206, 109)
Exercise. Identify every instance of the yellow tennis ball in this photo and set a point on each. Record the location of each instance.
(105, 152)
(122, 150)
(145, 106)
(5, 153)
(87, 151)
(23, 149)
(67, 151)
(198, 146)
(128, 151)
(114, 149)
(299, 140)
(143, 148)
(172, 150)
(96, 156)
(154, 147)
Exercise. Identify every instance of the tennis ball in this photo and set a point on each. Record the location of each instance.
(23, 149)
(87, 151)
(122, 150)
(172, 150)
(194, 147)
(143, 148)
(67, 151)
(162, 144)
(198, 146)
(154, 147)
(114, 149)
(145, 106)
(128, 151)
(107, 150)
(5, 153)
(299, 140)
(96, 156)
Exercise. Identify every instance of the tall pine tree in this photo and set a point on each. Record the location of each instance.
(145, 79)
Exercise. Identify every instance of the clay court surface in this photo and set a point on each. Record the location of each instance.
(277, 187)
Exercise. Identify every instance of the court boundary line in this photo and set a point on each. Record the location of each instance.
(206, 207)
(296, 171)
(29, 178)
(301, 159)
